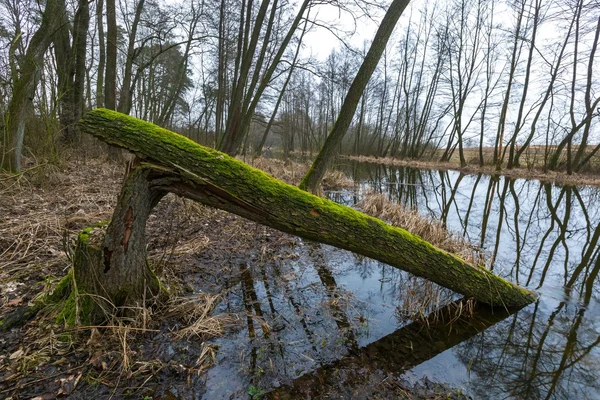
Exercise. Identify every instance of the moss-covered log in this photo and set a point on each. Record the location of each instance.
(213, 178)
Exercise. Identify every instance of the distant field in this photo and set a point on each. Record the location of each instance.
(532, 158)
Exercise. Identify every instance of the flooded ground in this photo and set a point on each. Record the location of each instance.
(318, 322)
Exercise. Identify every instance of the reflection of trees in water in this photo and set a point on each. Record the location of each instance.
(542, 235)
(538, 356)
(333, 292)
(535, 233)
(285, 314)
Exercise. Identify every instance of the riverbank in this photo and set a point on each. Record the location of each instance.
(536, 173)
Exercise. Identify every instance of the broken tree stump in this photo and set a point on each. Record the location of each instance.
(110, 267)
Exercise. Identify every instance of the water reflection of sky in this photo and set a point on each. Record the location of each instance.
(542, 236)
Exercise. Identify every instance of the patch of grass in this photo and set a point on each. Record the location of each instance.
(255, 392)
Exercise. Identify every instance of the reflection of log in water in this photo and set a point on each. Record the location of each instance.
(395, 353)
(333, 292)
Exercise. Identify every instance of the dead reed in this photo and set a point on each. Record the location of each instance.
(419, 297)
(292, 172)
(431, 230)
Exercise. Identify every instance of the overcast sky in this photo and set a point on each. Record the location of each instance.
(320, 41)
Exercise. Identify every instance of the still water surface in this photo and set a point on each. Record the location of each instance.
(312, 311)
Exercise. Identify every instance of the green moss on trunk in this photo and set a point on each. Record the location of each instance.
(26, 313)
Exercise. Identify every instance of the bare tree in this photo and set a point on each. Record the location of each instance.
(313, 178)
(25, 84)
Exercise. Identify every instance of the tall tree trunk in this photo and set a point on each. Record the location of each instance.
(101, 54)
(23, 91)
(80, 31)
(330, 149)
(221, 82)
(110, 76)
(520, 122)
(553, 75)
(263, 140)
(110, 80)
(234, 118)
(577, 162)
(65, 70)
(513, 66)
(233, 137)
(126, 93)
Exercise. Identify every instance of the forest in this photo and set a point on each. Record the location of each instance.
(509, 84)
(299, 199)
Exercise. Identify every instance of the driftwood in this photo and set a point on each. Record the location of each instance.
(114, 268)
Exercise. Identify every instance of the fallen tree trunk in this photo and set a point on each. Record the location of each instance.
(188, 169)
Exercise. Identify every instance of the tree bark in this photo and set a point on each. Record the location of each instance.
(126, 93)
(110, 68)
(110, 72)
(65, 72)
(516, 52)
(101, 54)
(80, 31)
(188, 169)
(11, 143)
(111, 270)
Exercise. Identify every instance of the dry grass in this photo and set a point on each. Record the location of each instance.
(42, 211)
(196, 312)
(112, 354)
(292, 172)
(431, 230)
(419, 297)
(533, 172)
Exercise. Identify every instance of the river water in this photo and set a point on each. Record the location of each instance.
(319, 320)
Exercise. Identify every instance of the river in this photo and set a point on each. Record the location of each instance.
(312, 311)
